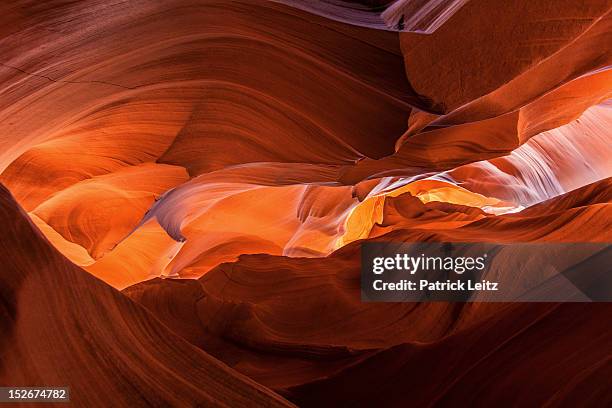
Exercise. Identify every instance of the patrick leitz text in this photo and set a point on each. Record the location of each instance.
(485, 272)
(427, 270)
(413, 264)
(424, 284)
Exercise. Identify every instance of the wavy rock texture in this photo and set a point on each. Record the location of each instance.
(90, 102)
(257, 315)
(96, 125)
(61, 326)
(251, 146)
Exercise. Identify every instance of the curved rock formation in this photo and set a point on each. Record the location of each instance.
(63, 327)
(253, 146)
(257, 315)
(279, 121)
